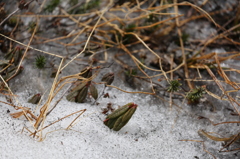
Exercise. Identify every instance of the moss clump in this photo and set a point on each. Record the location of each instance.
(40, 62)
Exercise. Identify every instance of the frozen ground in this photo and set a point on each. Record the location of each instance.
(153, 132)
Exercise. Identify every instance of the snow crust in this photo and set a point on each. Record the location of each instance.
(151, 133)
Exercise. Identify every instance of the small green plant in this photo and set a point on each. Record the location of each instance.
(93, 91)
(108, 78)
(10, 73)
(40, 62)
(82, 94)
(194, 95)
(86, 72)
(79, 93)
(14, 56)
(35, 99)
(120, 117)
(174, 86)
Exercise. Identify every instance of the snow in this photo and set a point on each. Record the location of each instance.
(151, 132)
(154, 131)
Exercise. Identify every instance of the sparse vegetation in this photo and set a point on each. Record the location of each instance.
(122, 32)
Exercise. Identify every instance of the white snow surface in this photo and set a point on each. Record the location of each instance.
(154, 132)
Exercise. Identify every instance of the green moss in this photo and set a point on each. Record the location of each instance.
(40, 62)
(174, 86)
(194, 95)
